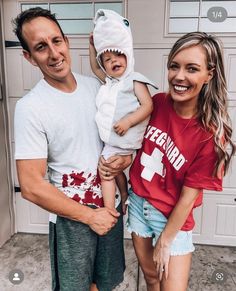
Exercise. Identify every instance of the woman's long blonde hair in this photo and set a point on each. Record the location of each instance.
(212, 102)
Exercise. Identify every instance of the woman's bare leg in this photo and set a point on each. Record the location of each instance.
(179, 269)
(144, 251)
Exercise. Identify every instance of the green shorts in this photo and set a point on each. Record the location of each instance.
(80, 257)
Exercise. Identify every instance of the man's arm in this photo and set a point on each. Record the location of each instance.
(36, 189)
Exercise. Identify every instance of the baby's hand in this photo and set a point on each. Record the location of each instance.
(122, 126)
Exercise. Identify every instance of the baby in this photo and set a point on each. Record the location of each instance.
(123, 102)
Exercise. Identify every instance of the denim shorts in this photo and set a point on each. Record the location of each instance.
(80, 257)
(146, 221)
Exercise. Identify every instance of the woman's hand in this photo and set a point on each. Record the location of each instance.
(161, 257)
(111, 167)
(161, 253)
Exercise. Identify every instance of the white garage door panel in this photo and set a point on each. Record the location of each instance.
(152, 64)
(31, 75)
(197, 213)
(229, 180)
(16, 182)
(29, 217)
(231, 65)
(80, 61)
(232, 114)
(12, 105)
(218, 223)
(22, 76)
(226, 220)
(14, 72)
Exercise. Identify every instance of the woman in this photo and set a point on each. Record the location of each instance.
(183, 152)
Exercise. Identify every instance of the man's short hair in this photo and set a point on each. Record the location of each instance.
(28, 15)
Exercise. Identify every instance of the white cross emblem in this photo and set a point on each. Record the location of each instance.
(152, 164)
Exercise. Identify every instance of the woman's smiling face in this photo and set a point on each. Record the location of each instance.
(187, 73)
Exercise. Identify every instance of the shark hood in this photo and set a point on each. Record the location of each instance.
(112, 33)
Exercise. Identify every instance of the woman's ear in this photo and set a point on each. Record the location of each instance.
(210, 75)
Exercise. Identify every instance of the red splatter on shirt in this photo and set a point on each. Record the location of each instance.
(78, 179)
(90, 185)
(76, 198)
(64, 180)
(97, 180)
(90, 199)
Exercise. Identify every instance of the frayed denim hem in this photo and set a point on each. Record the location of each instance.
(182, 253)
(144, 235)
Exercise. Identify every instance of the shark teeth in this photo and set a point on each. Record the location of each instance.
(116, 50)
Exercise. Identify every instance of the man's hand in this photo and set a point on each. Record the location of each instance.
(111, 167)
(103, 219)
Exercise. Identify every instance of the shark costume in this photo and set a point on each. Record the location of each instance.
(116, 97)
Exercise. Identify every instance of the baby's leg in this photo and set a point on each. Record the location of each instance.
(121, 181)
(108, 193)
(109, 187)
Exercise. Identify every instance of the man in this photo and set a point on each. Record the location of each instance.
(55, 128)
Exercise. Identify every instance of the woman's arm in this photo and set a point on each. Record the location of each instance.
(93, 61)
(161, 254)
(142, 93)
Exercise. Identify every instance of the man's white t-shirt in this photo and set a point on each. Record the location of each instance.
(60, 127)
